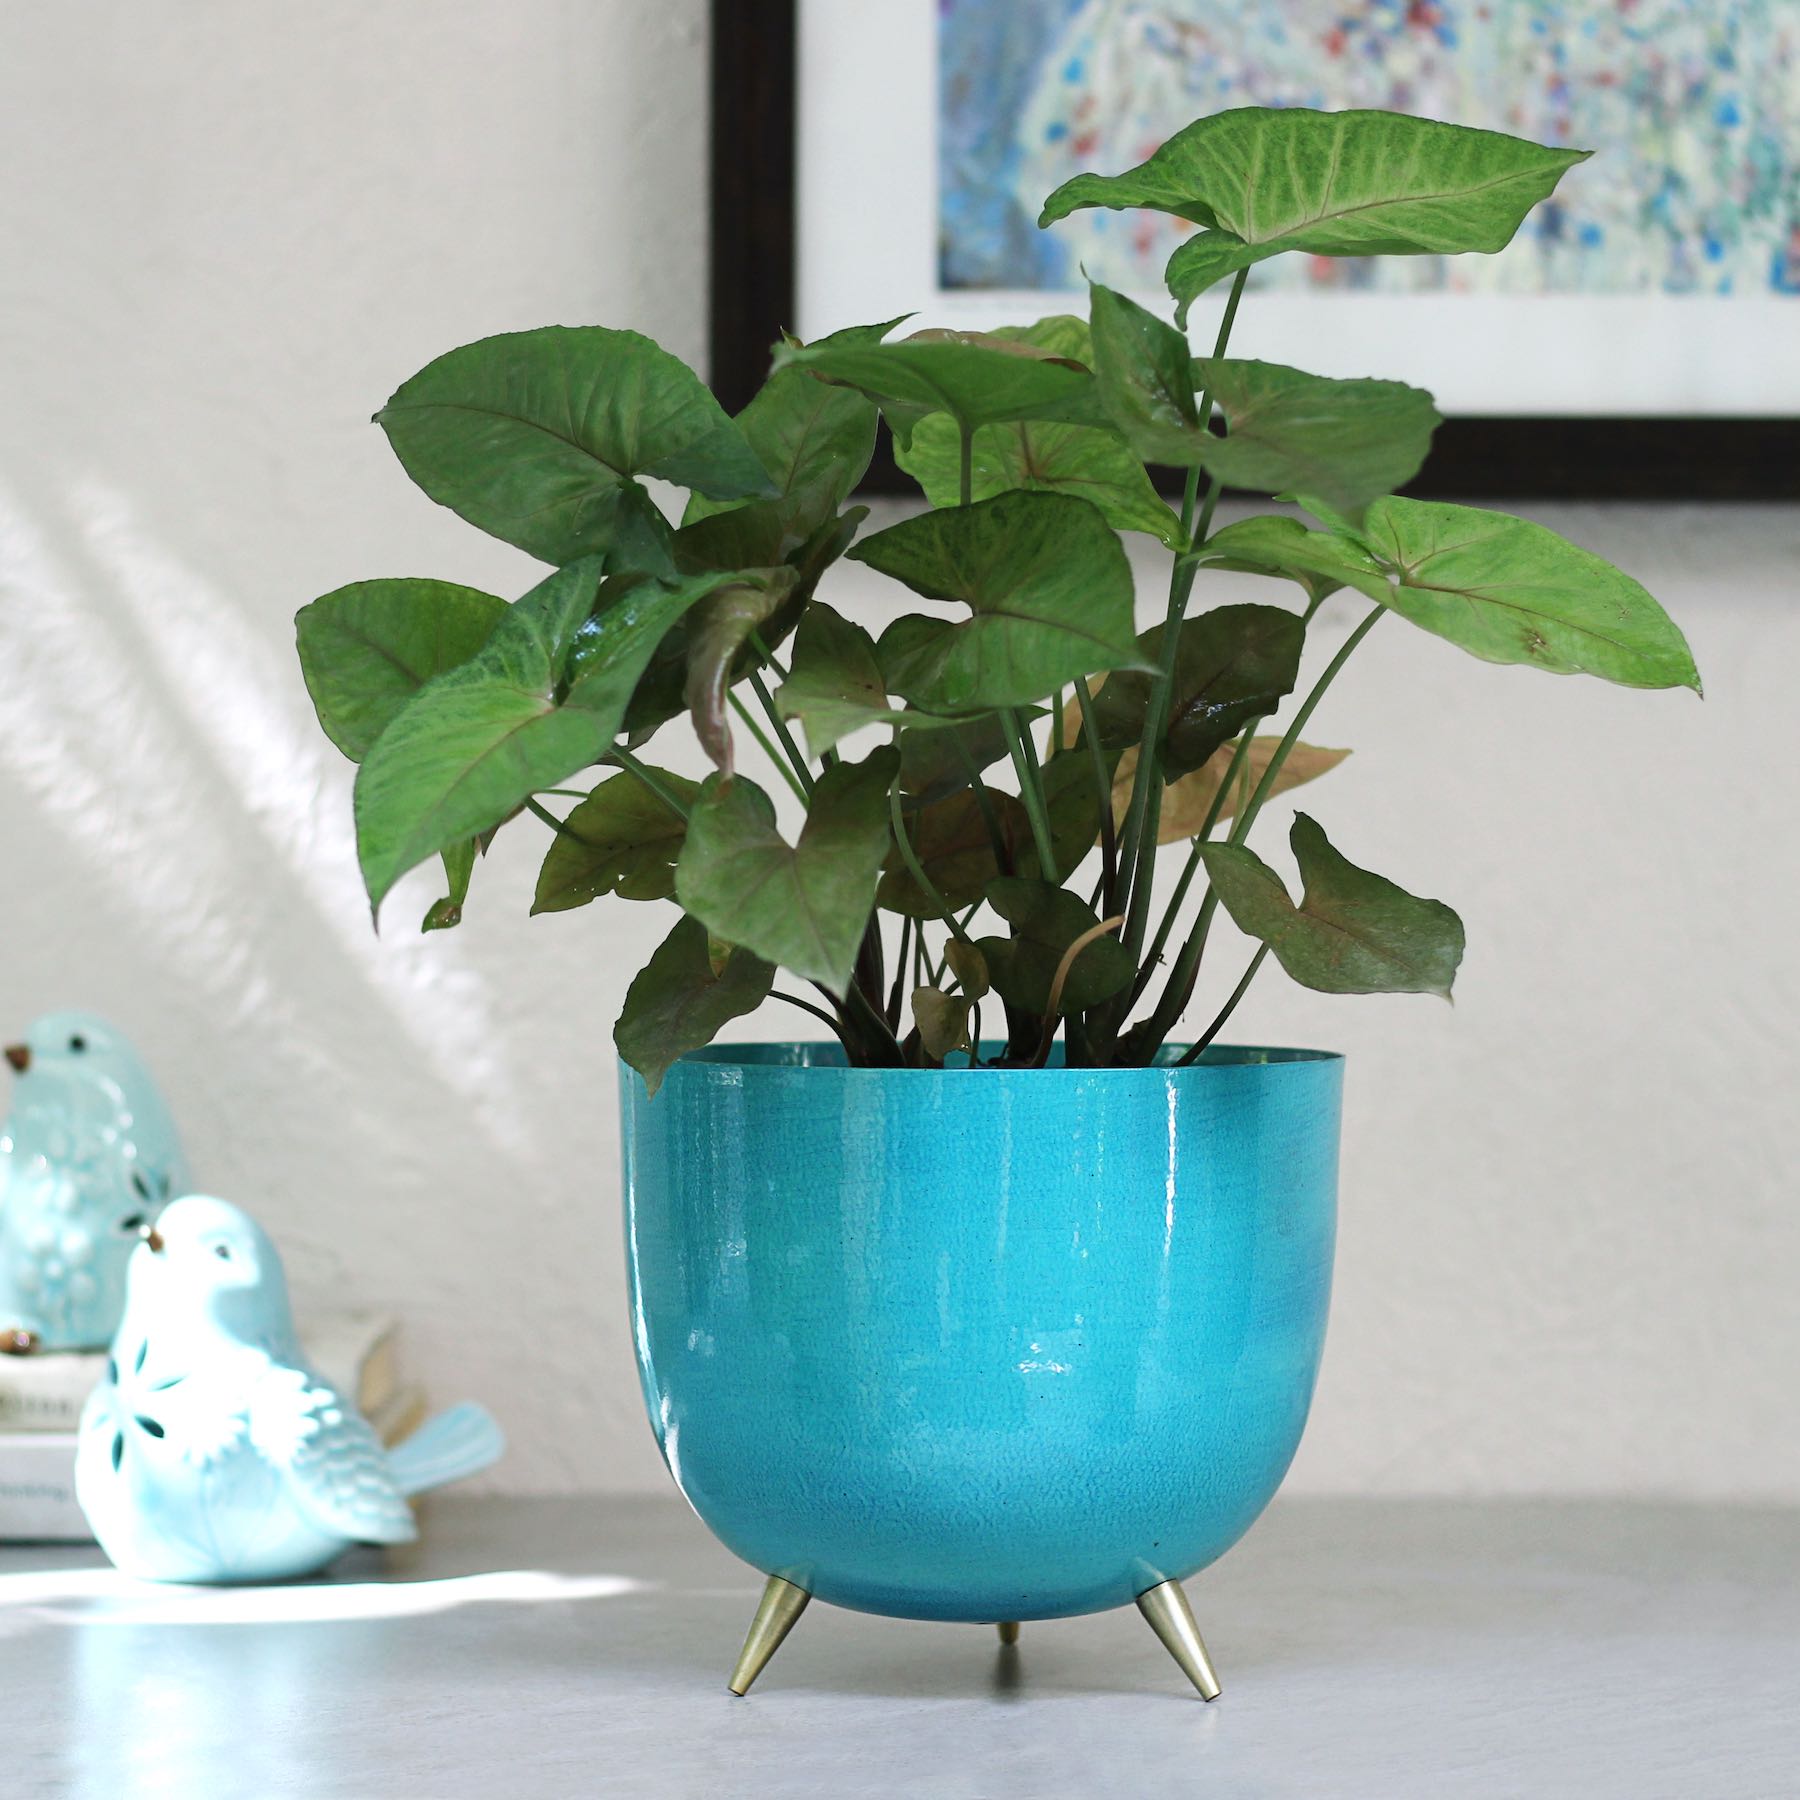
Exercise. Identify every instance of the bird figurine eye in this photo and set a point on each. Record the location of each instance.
(222, 1252)
(78, 1043)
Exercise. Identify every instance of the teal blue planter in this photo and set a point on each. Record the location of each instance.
(980, 1344)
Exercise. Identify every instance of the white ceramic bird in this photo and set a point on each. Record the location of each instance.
(88, 1156)
(212, 1451)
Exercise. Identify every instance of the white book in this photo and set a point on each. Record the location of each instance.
(37, 1489)
(355, 1352)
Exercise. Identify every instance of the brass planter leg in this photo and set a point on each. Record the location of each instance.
(1009, 1631)
(782, 1603)
(1172, 1619)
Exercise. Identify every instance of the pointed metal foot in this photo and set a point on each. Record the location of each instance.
(782, 1603)
(1171, 1618)
(1009, 1631)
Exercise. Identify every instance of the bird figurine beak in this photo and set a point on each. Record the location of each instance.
(153, 1239)
(19, 1055)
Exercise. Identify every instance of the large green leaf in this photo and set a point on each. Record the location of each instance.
(1232, 664)
(1509, 591)
(1042, 455)
(1046, 579)
(803, 906)
(1146, 382)
(481, 738)
(534, 436)
(1321, 562)
(978, 380)
(1347, 442)
(622, 839)
(1262, 180)
(689, 988)
(1352, 933)
(814, 439)
(366, 649)
(1046, 921)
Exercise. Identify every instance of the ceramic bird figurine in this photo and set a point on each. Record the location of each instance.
(212, 1451)
(88, 1156)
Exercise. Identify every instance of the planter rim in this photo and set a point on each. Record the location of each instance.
(826, 1056)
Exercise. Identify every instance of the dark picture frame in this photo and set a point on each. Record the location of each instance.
(753, 237)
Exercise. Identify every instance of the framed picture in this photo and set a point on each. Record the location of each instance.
(1640, 338)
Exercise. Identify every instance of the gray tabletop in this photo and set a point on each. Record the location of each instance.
(545, 1648)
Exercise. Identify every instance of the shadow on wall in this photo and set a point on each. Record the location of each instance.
(169, 683)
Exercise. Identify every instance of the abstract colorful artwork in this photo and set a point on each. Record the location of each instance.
(1694, 106)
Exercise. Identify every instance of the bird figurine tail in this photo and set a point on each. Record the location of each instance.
(456, 1444)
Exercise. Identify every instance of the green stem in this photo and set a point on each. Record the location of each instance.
(1247, 815)
(1187, 967)
(1191, 867)
(649, 777)
(910, 857)
(1031, 792)
(889, 1043)
(1195, 1049)
(781, 730)
(1109, 845)
(893, 1006)
(768, 749)
(818, 1012)
(549, 818)
(1139, 855)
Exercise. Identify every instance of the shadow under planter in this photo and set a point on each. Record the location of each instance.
(980, 1345)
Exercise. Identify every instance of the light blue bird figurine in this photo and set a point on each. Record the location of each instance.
(212, 1450)
(88, 1156)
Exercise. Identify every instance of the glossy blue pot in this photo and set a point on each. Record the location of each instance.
(980, 1344)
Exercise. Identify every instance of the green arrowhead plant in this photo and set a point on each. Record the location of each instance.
(954, 853)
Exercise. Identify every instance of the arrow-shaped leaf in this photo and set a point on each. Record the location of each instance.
(803, 906)
(622, 839)
(813, 438)
(1041, 455)
(533, 436)
(977, 380)
(1510, 591)
(544, 698)
(1146, 380)
(835, 686)
(366, 649)
(1187, 802)
(1266, 179)
(1047, 581)
(1232, 664)
(690, 987)
(1352, 933)
(1347, 442)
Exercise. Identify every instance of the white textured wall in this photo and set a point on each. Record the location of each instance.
(1571, 1242)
